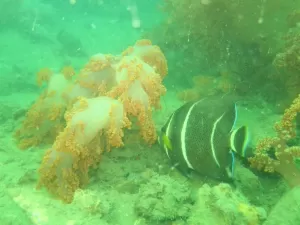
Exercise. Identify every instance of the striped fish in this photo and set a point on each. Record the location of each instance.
(202, 136)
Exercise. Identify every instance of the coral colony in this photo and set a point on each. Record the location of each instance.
(83, 115)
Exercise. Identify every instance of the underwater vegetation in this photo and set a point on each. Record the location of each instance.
(287, 60)
(249, 47)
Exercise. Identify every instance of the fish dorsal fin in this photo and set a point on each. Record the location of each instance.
(239, 139)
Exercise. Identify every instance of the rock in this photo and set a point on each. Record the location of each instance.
(287, 210)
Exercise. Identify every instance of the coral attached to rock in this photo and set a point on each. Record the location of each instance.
(221, 205)
(164, 198)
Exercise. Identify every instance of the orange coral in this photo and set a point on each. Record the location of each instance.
(115, 133)
(150, 82)
(69, 113)
(150, 54)
(144, 117)
(44, 119)
(68, 72)
(98, 63)
(98, 74)
(143, 42)
(187, 95)
(43, 75)
(155, 89)
(283, 162)
(204, 85)
(202, 80)
(65, 166)
(35, 128)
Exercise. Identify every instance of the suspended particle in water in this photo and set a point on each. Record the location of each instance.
(136, 23)
(262, 12)
(135, 19)
(72, 2)
(100, 2)
(205, 2)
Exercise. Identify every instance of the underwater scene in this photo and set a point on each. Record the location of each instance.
(150, 112)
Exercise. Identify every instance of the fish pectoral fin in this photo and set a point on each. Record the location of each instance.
(229, 173)
(239, 139)
(231, 170)
(185, 171)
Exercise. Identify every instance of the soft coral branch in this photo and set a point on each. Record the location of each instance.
(283, 160)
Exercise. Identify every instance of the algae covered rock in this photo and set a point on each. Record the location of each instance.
(163, 198)
(248, 183)
(221, 205)
(287, 210)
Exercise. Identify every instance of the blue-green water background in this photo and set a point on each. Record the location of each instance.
(137, 185)
(29, 35)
